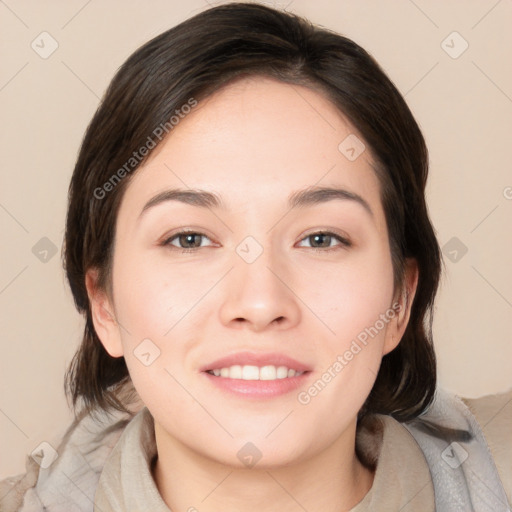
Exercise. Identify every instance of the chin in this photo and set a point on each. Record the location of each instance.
(258, 452)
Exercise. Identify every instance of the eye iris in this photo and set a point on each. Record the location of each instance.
(189, 237)
(322, 237)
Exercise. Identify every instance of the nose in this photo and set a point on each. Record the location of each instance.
(259, 295)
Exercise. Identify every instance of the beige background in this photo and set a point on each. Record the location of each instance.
(463, 105)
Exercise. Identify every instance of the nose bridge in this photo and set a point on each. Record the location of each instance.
(256, 293)
(257, 272)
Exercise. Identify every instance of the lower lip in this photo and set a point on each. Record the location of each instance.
(258, 388)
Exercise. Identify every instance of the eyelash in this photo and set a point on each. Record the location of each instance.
(344, 242)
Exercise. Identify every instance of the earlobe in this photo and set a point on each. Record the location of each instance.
(103, 317)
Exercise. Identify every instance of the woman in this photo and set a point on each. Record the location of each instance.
(248, 239)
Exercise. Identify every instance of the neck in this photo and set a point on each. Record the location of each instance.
(333, 480)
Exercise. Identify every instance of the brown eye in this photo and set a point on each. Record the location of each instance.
(186, 240)
(323, 241)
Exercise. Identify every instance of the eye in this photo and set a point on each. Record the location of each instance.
(188, 241)
(322, 240)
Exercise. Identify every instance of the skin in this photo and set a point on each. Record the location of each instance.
(253, 144)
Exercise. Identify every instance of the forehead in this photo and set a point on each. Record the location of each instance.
(256, 141)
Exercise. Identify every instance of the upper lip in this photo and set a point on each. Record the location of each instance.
(256, 359)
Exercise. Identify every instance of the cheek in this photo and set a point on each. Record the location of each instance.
(351, 297)
(352, 307)
(152, 297)
(155, 312)
(352, 301)
(160, 309)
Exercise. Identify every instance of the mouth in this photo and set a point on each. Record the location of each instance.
(251, 372)
(258, 376)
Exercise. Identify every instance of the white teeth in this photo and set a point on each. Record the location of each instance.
(250, 372)
(268, 373)
(235, 372)
(282, 372)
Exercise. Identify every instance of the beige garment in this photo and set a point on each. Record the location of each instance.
(126, 482)
(494, 415)
(402, 479)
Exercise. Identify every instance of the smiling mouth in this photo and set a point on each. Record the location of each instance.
(251, 372)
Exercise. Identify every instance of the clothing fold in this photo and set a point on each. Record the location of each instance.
(104, 463)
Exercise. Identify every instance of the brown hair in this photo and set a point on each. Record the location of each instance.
(197, 58)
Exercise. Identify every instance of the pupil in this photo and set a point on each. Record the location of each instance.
(186, 239)
(326, 238)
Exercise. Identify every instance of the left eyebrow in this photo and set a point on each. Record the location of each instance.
(301, 198)
(317, 195)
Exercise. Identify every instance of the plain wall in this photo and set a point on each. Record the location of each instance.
(462, 104)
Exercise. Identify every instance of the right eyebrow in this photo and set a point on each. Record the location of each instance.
(193, 197)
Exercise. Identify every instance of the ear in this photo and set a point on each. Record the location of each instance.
(103, 316)
(402, 305)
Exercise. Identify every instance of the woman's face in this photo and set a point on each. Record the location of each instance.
(257, 281)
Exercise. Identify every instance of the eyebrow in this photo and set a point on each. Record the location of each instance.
(299, 199)
(318, 195)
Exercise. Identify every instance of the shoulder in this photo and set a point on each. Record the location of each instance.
(493, 413)
(57, 482)
(13, 489)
